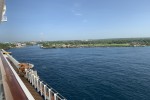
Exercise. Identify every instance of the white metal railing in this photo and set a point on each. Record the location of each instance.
(24, 88)
(41, 87)
(14, 60)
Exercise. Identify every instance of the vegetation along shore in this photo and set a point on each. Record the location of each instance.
(124, 42)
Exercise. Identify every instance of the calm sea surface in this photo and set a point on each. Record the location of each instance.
(92, 73)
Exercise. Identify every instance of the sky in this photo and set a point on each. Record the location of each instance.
(34, 20)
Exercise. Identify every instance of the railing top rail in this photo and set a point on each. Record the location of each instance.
(44, 83)
(15, 81)
(53, 90)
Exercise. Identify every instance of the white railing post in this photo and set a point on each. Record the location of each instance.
(49, 90)
(28, 76)
(32, 79)
(55, 96)
(26, 73)
(37, 84)
(45, 92)
(41, 88)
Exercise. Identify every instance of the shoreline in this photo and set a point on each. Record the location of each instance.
(89, 47)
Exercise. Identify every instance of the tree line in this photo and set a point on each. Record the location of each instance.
(6, 45)
(125, 42)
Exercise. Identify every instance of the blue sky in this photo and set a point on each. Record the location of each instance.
(75, 19)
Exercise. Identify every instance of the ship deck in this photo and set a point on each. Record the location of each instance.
(1, 86)
(10, 83)
(29, 86)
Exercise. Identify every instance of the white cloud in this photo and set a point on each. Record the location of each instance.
(85, 20)
(41, 33)
(76, 9)
(76, 5)
(78, 14)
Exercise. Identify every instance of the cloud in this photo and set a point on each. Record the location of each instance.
(41, 33)
(78, 14)
(76, 9)
(85, 20)
(76, 5)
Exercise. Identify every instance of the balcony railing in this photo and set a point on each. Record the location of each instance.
(45, 90)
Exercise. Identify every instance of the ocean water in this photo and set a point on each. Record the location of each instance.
(117, 73)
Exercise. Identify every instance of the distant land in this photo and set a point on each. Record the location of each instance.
(9, 45)
(120, 42)
(117, 42)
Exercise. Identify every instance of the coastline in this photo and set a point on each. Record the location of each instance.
(92, 46)
(129, 42)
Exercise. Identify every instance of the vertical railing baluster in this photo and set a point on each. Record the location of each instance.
(45, 91)
(37, 84)
(41, 88)
(55, 96)
(34, 81)
(49, 90)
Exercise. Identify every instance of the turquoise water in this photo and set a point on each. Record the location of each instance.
(92, 73)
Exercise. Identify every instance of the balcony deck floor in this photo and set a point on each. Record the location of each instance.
(32, 90)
